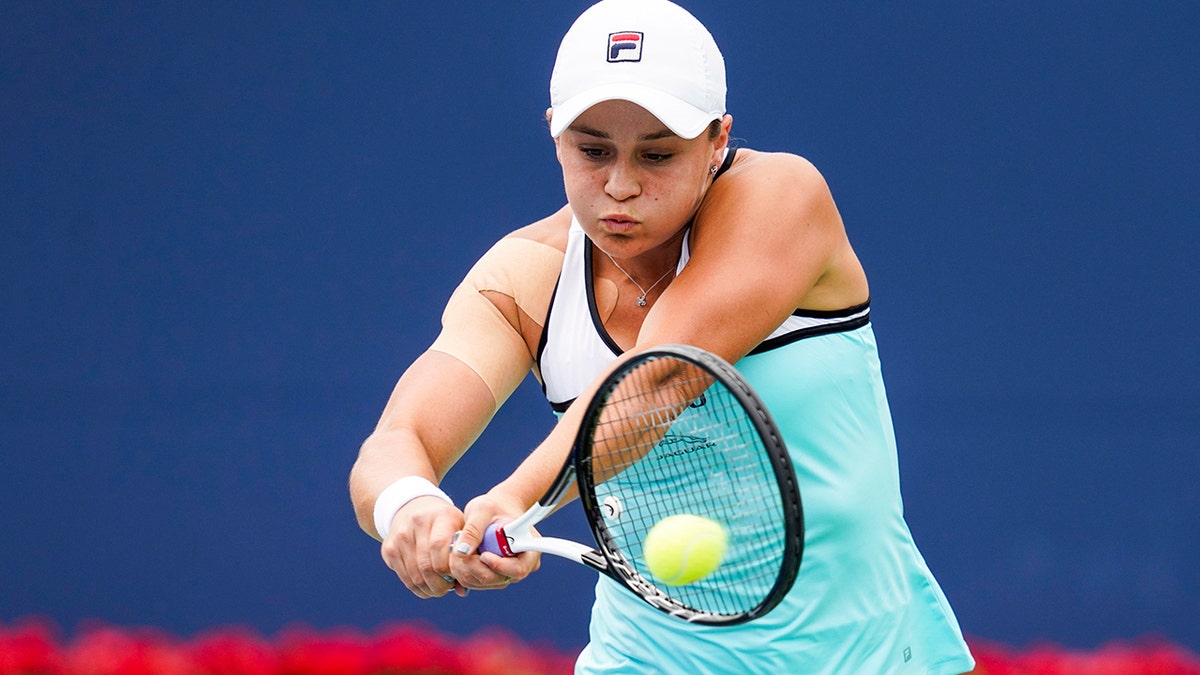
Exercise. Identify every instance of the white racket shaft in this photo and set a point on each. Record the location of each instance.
(515, 537)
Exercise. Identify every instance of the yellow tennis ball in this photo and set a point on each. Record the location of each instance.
(684, 548)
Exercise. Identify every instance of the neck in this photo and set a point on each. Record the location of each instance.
(644, 288)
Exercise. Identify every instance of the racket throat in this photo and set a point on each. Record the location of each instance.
(594, 560)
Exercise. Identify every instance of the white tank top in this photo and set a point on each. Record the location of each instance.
(575, 347)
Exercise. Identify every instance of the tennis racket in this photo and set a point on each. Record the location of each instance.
(677, 430)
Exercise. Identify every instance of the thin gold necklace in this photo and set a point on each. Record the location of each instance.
(641, 301)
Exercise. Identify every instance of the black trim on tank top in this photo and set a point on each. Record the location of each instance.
(593, 311)
(726, 164)
(856, 317)
(545, 331)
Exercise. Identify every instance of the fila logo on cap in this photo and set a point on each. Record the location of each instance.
(624, 46)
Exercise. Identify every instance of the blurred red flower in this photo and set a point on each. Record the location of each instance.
(1146, 657)
(30, 647)
(304, 651)
(113, 651)
(34, 647)
(234, 651)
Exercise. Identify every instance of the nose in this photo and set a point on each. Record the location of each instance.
(623, 182)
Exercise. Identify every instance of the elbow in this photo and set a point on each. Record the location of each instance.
(361, 498)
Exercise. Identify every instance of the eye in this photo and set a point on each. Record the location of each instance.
(657, 157)
(591, 152)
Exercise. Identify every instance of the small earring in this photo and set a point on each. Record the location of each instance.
(713, 169)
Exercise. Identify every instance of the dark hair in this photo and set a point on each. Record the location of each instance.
(714, 127)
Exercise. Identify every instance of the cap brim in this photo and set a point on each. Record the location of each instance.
(683, 119)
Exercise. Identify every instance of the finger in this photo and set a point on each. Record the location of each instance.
(435, 573)
(460, 548)
(456, 586)
(514, 568)
(489, 571)
(392, 550)
(417, 563)
(413, 580)
(437, 551)
(417, 547)
(459, 545)
(466, 540)
(472, 573)
(426, 588)
(414, 568)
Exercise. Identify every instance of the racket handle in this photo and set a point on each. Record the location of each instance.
(495, 541)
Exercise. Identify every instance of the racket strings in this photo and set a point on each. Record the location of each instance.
(670, 441)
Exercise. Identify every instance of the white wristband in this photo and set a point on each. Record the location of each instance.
(396, 495)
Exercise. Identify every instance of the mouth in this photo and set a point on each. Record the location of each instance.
(618, 222)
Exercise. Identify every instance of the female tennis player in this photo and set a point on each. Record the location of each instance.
(669, 235)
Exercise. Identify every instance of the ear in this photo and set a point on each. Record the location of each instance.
(557, 145)
(722, 140)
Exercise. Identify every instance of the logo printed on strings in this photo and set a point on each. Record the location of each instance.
(676, 445)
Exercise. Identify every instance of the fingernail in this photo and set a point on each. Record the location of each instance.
(462, 547)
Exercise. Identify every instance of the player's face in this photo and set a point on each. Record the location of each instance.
(632, 183)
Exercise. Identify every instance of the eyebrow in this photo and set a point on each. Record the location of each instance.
(652, 136)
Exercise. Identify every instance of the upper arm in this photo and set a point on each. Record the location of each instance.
(763, 240)
(493, 320)
(447, 396)
(437, 409)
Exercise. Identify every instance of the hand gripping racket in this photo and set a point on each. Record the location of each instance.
(677, 430)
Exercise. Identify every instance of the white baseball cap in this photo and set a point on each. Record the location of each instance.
(651, 52)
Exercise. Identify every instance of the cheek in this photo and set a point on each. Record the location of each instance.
(579, 188)
(680, 192)
(580, 178)
(573, 181)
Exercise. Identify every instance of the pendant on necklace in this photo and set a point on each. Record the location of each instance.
(641, 301)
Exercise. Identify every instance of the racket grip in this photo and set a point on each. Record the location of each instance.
(495, 541)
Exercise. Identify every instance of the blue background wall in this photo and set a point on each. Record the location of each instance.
(227, 227)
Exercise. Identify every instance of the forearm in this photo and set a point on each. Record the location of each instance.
(385, 457)
(536, 474)
(437, 410)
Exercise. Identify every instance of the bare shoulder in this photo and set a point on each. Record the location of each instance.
(550, 231)
(773, 212)
(765, 188)
(778, 172)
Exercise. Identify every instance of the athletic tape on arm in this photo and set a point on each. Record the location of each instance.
(477, 333)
